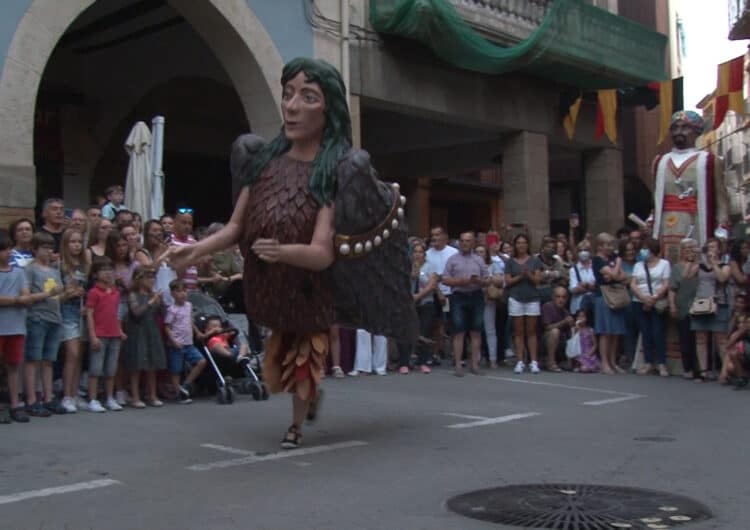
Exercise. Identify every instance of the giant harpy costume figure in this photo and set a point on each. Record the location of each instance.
(323, 238)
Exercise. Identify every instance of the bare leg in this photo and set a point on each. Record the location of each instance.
(458, 351)
(151, 385)
(29, 376)
(476, 349)
(604, 346)
(299, 411)
(196, 371)
(335, 346)
(135, 386)
(72, 367)
(531, 341)
(553, 341)
(12, 370)
(93, 387)
(47, 394)
(518, 338)
(109, 387)
(702, 353)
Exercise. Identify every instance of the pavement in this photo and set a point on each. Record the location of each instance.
(386, 453)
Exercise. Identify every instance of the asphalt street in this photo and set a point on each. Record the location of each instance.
(386, 453)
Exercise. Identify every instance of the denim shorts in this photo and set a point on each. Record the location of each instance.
(467, 311)
(42, 340)
(179, 356)
(103, 362)
(71, 322)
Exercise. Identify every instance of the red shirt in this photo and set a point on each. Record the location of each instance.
(222, 340)
(104, 302)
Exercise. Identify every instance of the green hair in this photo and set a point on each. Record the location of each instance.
(337, 135)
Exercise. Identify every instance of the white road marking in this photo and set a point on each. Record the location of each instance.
(464, 416)
(624, 396)
(493, 421)
(254, 458)
(230, 450)
(46, 492)
(612, 400)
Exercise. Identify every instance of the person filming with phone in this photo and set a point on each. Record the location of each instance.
(466, 274)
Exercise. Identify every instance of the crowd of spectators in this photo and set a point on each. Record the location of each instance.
(94, 286)
(89, 292)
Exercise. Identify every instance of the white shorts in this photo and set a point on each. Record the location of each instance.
(520, 309)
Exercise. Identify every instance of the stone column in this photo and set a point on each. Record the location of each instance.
(605, 193)
(526, 184)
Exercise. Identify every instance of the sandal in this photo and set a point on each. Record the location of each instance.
(314, 409)
(555, 368)
(699, 377)
(19, 415)
(292, 438)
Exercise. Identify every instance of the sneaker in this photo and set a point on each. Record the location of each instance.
(184, 400)
(69, 404)
(353, 373)
(403, 370)
(81, 403)
(19, 415)
(186, 390)
(519, 367)
(337, 372)
(95, 406)
(534, 367)
(509, 353)
(138, 404)
(381, 372)
(37, 410)
(425, 369)
(122, 397)
(113, 405)
(155, 403)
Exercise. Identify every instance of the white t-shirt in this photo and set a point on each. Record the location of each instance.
(437, 259)
(659, 277)
(587, 276)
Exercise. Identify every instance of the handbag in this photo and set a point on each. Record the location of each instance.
(573, 346)
(661, 304)
(703, 307)
(616, 296)
(494, 292)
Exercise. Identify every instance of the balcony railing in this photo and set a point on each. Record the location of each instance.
(503, 21)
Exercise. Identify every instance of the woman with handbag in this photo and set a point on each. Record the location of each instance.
(650, 286)
(610, 299)
(493, 293)
(683, 284)
(709, 311)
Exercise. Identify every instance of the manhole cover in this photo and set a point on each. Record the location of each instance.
(654, 439)
(579, 507)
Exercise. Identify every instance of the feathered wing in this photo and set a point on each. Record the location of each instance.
(372, 288)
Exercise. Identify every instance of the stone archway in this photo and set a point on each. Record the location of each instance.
(229, 28)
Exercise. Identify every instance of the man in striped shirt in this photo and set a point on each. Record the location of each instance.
(182, 235)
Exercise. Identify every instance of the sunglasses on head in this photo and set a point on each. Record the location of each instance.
(185, 210)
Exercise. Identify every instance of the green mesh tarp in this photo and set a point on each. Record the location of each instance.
(575, 43)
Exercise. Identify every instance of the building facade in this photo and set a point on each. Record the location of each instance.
(471, 150)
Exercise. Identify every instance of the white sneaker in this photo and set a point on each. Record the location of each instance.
(534, 367)
(69, 404)
(95, 406)
(353, 373)
(122, 397)
(381, 372)
(112, 404)
(509, 353)
(519, 367)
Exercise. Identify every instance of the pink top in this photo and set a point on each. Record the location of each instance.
(179, 320)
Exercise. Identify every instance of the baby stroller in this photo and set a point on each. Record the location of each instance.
(244, 376)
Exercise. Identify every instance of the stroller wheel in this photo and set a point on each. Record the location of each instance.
(224, 395)
(256, 390)
(265, 391)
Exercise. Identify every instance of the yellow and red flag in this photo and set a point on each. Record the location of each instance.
(729, 89)
(606, 115)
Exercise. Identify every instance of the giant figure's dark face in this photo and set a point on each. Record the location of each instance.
(683, 134)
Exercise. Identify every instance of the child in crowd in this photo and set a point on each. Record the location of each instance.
(74, 268)
(589, 362)
(739, 324)
(144, 349)
(43, 326)
(115, 197)
(14, 297)
(105, 334)
(224, 345)
(179, 327)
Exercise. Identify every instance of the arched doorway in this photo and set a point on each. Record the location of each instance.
(93, 62)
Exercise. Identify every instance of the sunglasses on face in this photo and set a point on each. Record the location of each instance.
(185, 211)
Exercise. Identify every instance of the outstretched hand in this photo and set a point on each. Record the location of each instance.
(180, 258)
(267, 250)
